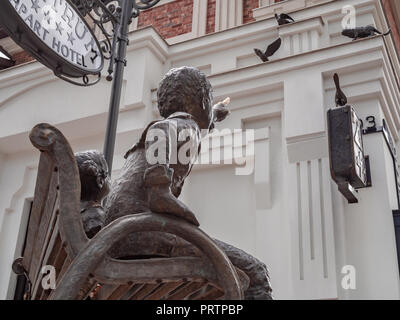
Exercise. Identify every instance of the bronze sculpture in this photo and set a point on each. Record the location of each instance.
(56, 237)
(185, 103)
(95, 185)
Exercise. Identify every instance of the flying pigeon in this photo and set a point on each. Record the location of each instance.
(283, 18)
(340, 97)
(272, 48)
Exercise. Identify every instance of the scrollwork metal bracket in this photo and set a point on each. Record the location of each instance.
(106, 16)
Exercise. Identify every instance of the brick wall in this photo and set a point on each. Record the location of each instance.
(392, 22)
(393, 25)
(211, 7)
(170, 20)
(248, 6)
(22, 57)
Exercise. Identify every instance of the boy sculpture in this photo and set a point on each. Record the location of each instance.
(157, 166)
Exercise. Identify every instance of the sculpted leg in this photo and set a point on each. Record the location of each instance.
(158, 180)
(260, 288)
(257, 271)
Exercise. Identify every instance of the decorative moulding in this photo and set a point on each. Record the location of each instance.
(316, 23)
(268, 9)
(21, 192)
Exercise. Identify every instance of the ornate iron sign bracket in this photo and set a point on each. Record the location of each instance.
(107, 16)
(390, 143)
(119, 14)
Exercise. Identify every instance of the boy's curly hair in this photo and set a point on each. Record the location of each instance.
(185, 89)
(92, 166)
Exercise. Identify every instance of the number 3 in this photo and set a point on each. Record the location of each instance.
(371, 121)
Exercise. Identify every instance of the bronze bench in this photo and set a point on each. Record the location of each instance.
(56, 237)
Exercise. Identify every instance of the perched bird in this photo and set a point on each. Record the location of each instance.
(362, 32)
(283, 18)
(272, 48)
(340, 97)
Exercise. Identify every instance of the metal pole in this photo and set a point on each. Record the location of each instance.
(120, 63)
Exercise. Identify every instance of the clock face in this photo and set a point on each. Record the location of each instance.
(358, 150)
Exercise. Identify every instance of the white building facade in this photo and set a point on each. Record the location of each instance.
(287, 212)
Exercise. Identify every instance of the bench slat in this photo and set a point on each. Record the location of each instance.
(163, 290)
(187, 290)
(119, 292)
(45, 172)
(48, 210)
(144, 291)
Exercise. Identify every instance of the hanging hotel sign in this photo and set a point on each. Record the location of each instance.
(349, 166)
(55, 33)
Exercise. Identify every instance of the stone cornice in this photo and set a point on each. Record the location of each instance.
(150, 38)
